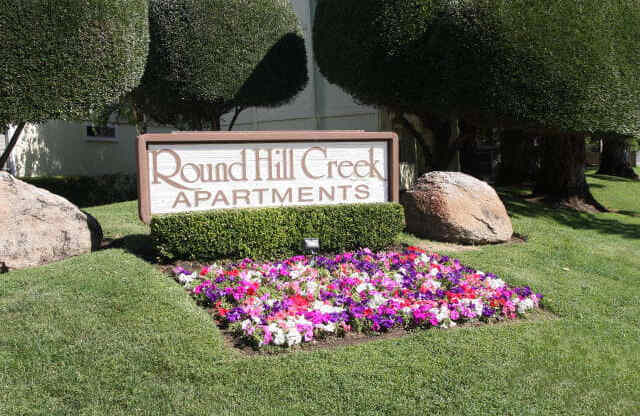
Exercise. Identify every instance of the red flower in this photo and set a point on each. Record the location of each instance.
(299, 301)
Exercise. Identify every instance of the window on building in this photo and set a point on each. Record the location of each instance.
(101, 133)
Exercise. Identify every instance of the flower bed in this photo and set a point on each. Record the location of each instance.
(303, 299)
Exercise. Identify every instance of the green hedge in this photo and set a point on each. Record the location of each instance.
(267, 233)
(87, 191)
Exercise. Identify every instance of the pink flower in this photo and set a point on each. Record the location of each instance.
(267, 335)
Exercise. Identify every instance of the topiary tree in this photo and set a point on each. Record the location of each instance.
(558, 69)
(208, 57)
(63, 59)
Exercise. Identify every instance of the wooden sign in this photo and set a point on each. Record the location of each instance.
(201, 171)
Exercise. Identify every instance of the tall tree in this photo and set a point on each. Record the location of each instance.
(558, 69)
(518, 158)
(614, 159)
(64, 59)
(210, 57)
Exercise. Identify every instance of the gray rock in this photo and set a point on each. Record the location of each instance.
(458, 208)
(38, 227)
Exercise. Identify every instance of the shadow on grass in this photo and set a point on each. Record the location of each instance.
(628, 213)
(137, 244)
(518, 206)
(610, 178)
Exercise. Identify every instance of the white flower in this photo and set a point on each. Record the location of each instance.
(364, 286)
(278, 336)
(294, 337)
(253, 275)
(311, 287)
(478, 306)
(187, 279)
(377, 300)
(443, 313)
(447, 324)
(319, 306)
(434, 272)
(330, 327)
(496, 283)
(525, 305)
(422, 259)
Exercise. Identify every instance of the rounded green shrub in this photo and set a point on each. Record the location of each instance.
(61, 59)
(210, 56)
(559, 65)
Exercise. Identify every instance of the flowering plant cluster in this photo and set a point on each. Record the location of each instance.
(303, 299)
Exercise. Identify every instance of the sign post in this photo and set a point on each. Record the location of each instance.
(200, 171)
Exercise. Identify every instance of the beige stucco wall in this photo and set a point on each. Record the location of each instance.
(62, 148)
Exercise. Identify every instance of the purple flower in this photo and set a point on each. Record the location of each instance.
(235, 315)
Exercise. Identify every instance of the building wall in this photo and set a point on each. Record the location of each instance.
(61, 148)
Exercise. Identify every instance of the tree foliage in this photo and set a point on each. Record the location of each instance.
(555, 66)
(210, 56)
(62, 59)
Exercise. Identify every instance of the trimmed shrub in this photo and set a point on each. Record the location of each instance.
(62, 59)
(87, 191)
(554, 65)
(267, 233)
(561, 69)
(208, 57)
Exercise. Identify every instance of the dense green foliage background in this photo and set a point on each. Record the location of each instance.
(561, 65)
(60, 59)
(271, 232)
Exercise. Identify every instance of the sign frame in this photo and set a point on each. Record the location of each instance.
(217, 137)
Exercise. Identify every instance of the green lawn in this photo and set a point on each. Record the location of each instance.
(106, 333)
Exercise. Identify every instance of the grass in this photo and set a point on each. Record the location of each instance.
(106, 333)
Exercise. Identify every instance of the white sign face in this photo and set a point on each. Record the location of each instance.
(205, 176)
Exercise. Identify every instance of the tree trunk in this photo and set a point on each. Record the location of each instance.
(515, 154)
(139, 117)
(12, 144)
(561, 177)
(614, 158)
(402, 125)
(236, 113)
(445, 155)
(215, 123)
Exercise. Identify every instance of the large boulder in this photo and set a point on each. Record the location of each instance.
(38, 227)
(455, 207)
